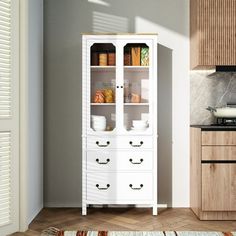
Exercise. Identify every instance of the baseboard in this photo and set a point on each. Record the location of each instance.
(79, 205)
(63, 204)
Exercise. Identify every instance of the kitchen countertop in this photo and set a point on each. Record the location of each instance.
(214, 127)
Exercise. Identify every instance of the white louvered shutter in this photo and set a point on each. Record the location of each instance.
(5, 173)
(9, 116)
(5, 59)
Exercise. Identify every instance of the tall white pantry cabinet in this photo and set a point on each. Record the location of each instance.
(119, 120)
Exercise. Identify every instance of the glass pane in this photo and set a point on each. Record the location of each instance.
(103, 74)
(136, 87)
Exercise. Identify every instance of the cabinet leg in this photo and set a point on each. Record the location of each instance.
(84, 209)
(154, 210)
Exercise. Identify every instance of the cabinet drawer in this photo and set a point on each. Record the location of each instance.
(219, 153)
(119, 160)
(114, 187)
(218, 137)
(130, 142)
(219, 187)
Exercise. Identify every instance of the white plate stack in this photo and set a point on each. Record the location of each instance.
(99, 123)
(139, 125)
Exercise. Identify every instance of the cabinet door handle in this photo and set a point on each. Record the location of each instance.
(102, 163)
(131, 186)
(104, 188)
(103, 145)
(136, 163)
(136, 145)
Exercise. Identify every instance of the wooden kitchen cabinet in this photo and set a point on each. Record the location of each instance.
(213, 174)
(218, 187)
(212, 33)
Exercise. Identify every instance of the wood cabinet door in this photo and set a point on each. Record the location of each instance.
(212, 33)
(218, 187)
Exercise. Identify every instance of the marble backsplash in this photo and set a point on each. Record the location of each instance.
(208, 88)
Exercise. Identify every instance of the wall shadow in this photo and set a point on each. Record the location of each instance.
(164, 125)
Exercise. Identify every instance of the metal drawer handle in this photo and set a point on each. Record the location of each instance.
(136, 145)
(136, 163)
(105, 188)
(103, 145)
(131, 186)
(102, 163)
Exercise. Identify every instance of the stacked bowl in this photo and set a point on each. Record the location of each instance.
(98, 123)
(139, 125)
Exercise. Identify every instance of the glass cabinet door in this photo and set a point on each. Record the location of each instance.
(102, 87)
(136, 87)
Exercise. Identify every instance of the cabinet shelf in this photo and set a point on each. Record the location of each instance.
(126, 104)
(136, 104)
(112, 68)
(103, 68)
(136, 68)
(102, 104)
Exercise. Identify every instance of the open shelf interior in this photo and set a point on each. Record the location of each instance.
(136, 54)
(103, 54)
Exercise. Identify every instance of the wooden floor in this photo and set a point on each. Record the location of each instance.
(177, 219)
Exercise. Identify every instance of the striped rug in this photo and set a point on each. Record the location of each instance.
(55, 232)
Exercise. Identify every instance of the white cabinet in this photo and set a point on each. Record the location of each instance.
(119, 120)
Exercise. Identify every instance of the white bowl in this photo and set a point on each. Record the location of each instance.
(98, 117)
(99, 129)
(139, 129)
(99, 123)
(140, 125)
(139, 122)
(99, 126)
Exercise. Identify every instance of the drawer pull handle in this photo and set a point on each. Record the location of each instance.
(136, 145)
(103, 145)
(131, 186)
(102, 163)
(105, 188)
(136, 163)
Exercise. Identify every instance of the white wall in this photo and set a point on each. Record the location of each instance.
(64, 22)
(31, 110)
(35, 108)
